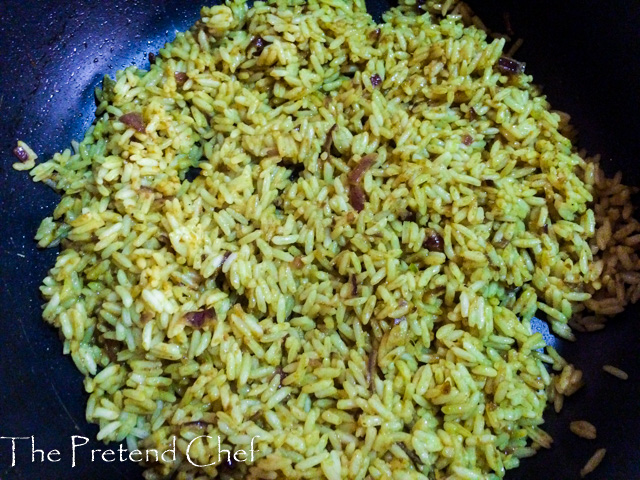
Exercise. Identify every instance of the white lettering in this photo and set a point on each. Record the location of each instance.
(189, 448)
(252, 450)
(110, 453)
(52, 454)
(135, 452)
(155, 453)
(172, 450)
(13, 446)
(93, 454)
(34, 450)
(73, 448)
(220, 450)
(122, 451)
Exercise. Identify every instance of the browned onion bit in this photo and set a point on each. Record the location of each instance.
(473, 114)
(111, 348)
(508, 450)
(413, 456)
(328, 140)
(297, 263)
(225, 256)
(200, 318)
(510, 66)
(357, 197)
(407, 216)
(163, 239)
(255, 416)
(181, 78)
(354, 285)
(375, 35)
(355, 175)
(375, 80)
(433, 241)
(446, 387)
(372, 366)
(258, 43)
(152, 58)
(134, 120)
(502, 243)
(228, 463)
(281, 372)
(467, 140)
(21, 154)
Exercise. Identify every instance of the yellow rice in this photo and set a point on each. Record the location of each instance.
(391, 342)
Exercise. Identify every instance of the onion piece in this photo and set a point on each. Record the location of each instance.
(372, 367)
(433, 241)
(365, 164)
(510, 66)
(200, 318)
(258, 44)
(134, 120)
(328, 140)
(21, 154)
(357, 197)
(181, 78)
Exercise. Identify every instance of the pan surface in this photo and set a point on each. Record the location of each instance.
(54, 53)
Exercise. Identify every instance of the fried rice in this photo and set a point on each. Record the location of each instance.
(330, 235)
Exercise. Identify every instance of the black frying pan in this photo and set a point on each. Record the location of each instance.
(52, 55)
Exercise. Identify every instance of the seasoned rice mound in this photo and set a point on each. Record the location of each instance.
(380, 211)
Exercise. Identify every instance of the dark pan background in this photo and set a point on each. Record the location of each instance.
(54, 53)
